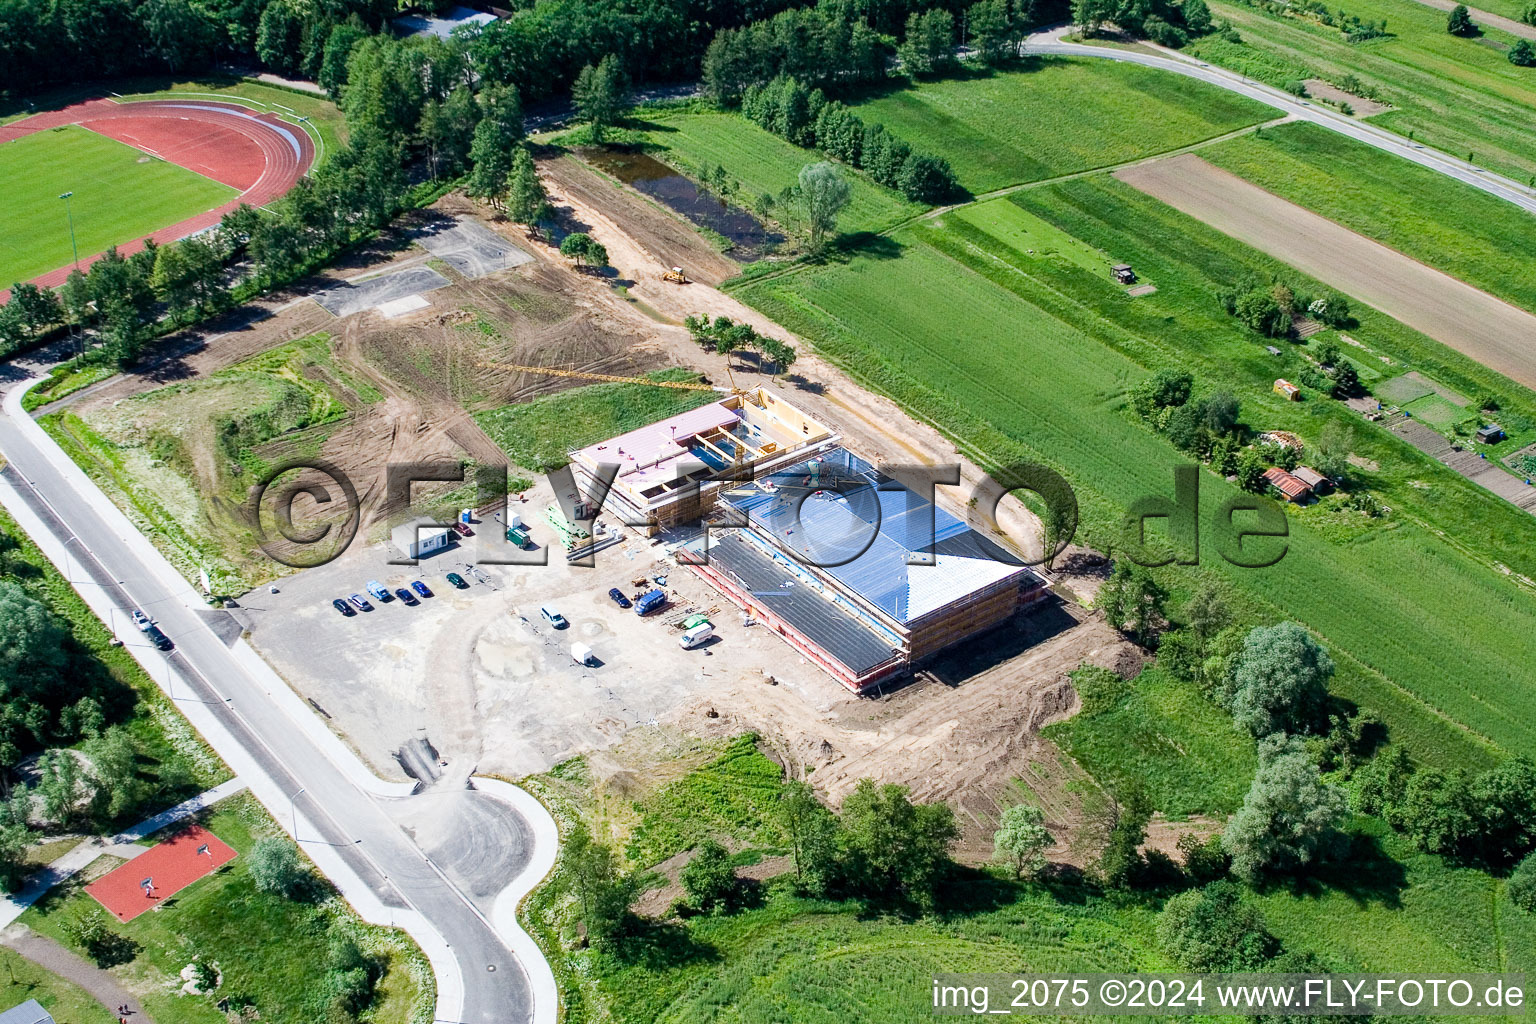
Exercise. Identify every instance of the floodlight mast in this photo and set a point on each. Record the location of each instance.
(70, 213)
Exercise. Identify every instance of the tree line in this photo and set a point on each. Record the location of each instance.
(723, 336)
(807, 118)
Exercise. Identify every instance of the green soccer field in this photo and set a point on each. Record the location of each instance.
(119, 194)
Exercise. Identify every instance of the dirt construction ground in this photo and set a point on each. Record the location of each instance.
(1472, 322)
(480, 677)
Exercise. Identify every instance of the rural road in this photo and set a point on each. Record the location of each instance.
(1049, 43)
(345, 818)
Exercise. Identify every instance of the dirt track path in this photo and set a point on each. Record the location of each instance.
(1474, 323)
(99, 984)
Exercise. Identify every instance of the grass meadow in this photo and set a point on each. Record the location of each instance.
(1467, 233)
(1030, 357)
(829, 961)
(119, 194)
(763, 163)
(1459, 95)
(1058, 117)
(268, 948)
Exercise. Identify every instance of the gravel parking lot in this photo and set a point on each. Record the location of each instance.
(481, 676)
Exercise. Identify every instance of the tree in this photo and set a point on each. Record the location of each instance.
(1164, 389)
(275, 867)
(1197, 17)
(1522, 54)
(1436, 811)
(1460, 23)
(1124, 829)
(33, 643)
(15, 838)
(1289, 819)
(36, 309)
(927, 179)
(1261, 311)
(584, 249)
(599, 95)
(825, 192)
(61, 784)
(1133, 601)
(812, 832)
(1506, 798)
(105, 947)
(930, 43)
(1207, 612)
(333, 60)
(1346, 380)
(1213, 930)
(897, 847)
(994, 31)
(603, 892)
(279, 36)
(1280, 680)
(492, 163)
(113, 758)
(1021, 840)
(1219, 413)
(1522, 884)
(527, 202)
(1251, 467)
(709, 878)
(1092, 14)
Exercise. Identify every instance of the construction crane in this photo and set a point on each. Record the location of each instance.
(680, 385)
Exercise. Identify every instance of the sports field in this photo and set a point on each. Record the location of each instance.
(1060, 117)
(120, 194)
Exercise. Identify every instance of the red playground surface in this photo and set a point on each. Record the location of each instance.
(172, 865)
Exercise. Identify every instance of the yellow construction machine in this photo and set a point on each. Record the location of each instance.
(676, 276)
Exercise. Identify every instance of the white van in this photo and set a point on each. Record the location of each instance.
(552, 616)
(696, 636)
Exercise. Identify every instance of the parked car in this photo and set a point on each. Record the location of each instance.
(406, 597)
(552, 616)
(141, 620)
(158, 638)
(360, 602)
(343, 607)
(458, 581)
(464, 530)
(377, 589)
(618, 597)
(421, 588)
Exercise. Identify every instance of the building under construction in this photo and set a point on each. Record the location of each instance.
(860, 574)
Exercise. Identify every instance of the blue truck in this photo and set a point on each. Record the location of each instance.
(376, 588)
(650, 601)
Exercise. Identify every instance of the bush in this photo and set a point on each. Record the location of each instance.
(1522, 54)
(709, 879)
(1522, 884)
(275, 867)
(1212, 930)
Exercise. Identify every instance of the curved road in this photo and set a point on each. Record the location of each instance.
(346, 819)
(1049, 43)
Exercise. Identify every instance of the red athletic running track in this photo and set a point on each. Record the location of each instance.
(173, 865)
(247, 150)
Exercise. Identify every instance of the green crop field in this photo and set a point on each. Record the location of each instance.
(1438, 221)
(1459, 95)
(763, 163)
(1060, 117)
(119, 194)
(1025, 357)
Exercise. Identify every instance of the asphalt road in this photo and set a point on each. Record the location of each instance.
(350, 820)
(1048, 43)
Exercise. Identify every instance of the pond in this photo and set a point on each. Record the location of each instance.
(749, 239)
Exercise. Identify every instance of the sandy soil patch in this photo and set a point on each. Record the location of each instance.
(1471, 321)
(1362, 107)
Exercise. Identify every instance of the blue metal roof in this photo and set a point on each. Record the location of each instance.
(873, 535)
